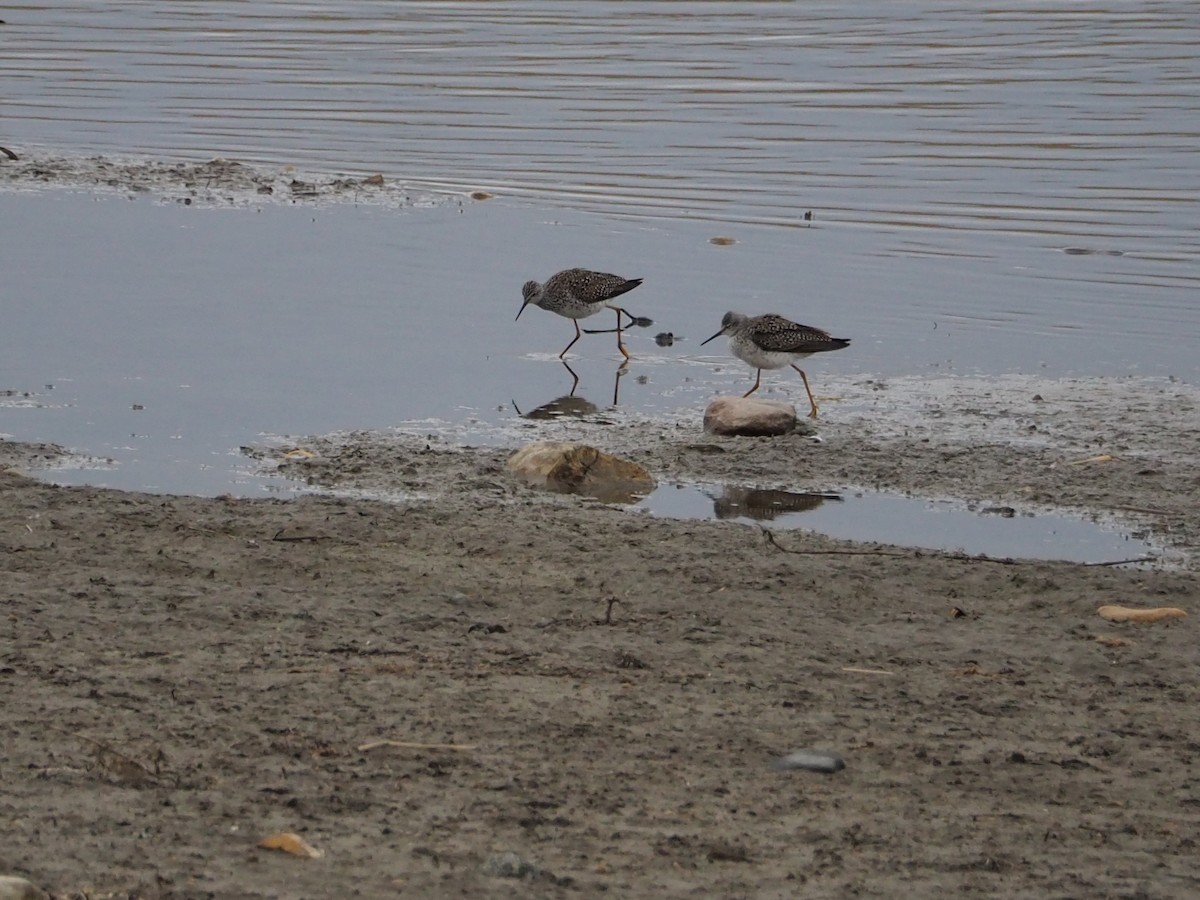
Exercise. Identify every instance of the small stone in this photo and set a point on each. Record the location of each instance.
(1005, 512)
(15, 888)
(811, 760)
(749, 417)
(581, 469)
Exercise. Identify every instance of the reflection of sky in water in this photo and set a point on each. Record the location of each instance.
(905, 521)
(225, 324)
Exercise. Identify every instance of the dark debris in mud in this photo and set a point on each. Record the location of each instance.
(217, 182)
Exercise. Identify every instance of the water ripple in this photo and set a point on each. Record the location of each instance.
(1081, 122)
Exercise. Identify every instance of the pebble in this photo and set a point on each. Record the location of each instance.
(812, 760)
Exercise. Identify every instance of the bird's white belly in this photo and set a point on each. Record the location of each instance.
(763, 359)
(580, 311)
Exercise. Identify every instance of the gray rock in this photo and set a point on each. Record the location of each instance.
(812, 761)
(749, 417)
(15, 888)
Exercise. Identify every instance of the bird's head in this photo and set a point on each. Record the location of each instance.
(531, 293)
(730, 321)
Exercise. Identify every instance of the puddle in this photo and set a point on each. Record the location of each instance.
(997, 531)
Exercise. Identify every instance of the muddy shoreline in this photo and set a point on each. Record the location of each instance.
(451, 684)
(214, 182)
(589, 701)
(1126, 450)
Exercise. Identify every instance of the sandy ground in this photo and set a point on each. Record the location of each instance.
(581, 700)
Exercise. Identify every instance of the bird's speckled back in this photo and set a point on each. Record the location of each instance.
(587, 286)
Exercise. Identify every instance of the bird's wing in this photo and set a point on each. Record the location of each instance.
(783, 335)
(596, 287)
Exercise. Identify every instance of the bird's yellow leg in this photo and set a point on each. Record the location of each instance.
(620, 343)
(812, 402)
(757, 379)
(578, 335)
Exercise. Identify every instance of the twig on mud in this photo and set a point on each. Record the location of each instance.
(1146, 510)
(961, 557)
(200, 529)
(1103, 457)
(975, 670)
(1009, 561)
(413, 745)
(774, 543)
(280, 536)
(142, 769)
(608, 612)
(1123, 562)
(859, 671)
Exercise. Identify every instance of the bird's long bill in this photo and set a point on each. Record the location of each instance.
(521, 310)
(713, 338)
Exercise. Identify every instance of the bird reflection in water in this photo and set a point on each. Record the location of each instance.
(569, 405)
(566, 407)
(621, 370)
(764, 505)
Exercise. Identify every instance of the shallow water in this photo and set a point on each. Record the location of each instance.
(1009, 190)
(1031, 117)
(170, 336)
(999, 532)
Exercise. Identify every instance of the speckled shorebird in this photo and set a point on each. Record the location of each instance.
(577, 294)
(772, 342)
